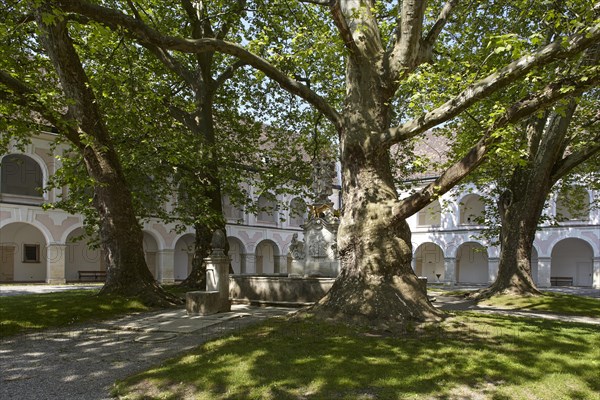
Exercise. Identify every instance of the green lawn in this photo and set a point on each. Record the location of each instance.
(25, 313)
(557, 303)
(467, 356)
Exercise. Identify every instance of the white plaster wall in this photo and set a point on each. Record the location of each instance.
(80, 257)
(573, 258)
(472, 264)
(18, 234)
(183, 253)
(429, 261)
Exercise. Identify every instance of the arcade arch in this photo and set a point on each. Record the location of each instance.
(267, 257)
(237, 254)
(267, 206)
(429, 262)
(472, 263)
(472, 209)
(24, 258)
(150, 253)
(573, 204)
(430, 215)
(184, 253)
(298, 213)
(21, 175)
(572, 258)
(79, 256)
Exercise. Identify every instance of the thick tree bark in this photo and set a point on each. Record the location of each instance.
(376, 285)
(520, 208)
(120, 232)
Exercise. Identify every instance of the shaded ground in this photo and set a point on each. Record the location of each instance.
(83, 362)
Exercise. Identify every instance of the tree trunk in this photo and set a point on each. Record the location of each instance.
(377, 284)
(520, 206)
(520, 212)
(120, 232)
(197, 277)
(121, 235)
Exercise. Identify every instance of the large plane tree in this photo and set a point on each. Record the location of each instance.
(44, 79)
(394, 52)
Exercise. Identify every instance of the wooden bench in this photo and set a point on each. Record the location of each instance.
(561, 281)
(92, 275)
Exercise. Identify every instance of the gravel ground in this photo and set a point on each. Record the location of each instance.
(84, 362)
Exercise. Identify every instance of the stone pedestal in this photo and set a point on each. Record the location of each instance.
(203, 303)
(217, 279)
(319, 250)
(216, 297)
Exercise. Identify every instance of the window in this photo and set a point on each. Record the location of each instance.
(298, 214)
(267, 206)
(430, 215)
(21, 175)
(31, 253)
(573, 204)
(472, 210)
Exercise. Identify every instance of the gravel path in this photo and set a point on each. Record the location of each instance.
(84, 362)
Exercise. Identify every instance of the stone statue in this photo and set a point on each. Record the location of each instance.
(322, 186)
(218, 242)
(297, 248)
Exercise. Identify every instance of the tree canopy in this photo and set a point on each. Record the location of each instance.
(400, 70)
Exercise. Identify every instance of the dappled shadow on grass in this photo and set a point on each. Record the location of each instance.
(303, 358)
(556, 303)
(27, 313)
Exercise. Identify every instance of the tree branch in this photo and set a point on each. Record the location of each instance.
(143, 33)
(426, 51)
(404, 54)
(228, 73)
(455, 173)
(345, 32)
(28, 97)
(567, 164)
(492, 83)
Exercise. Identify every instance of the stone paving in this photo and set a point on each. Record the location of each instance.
(83, 362)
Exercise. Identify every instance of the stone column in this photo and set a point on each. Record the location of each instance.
(282, 260)
(544, 271)
(217, 279)
(250, 263)
(596, 273)
(166, 266)
(450, 271)
(55, 263)
(493, 264)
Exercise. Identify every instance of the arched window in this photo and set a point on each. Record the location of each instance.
(471, 209)
(573, 204)
(298, 214)
(21, 175)
(267, 207)
(430, 215)
(231, 211)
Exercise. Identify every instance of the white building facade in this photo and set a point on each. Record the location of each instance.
(38, 245)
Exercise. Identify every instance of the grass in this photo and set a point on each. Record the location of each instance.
(468, 356)
(34, 312)
(556, 303)
(26, 313)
